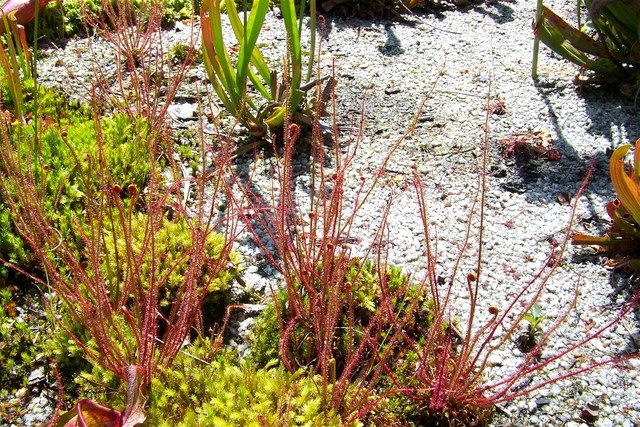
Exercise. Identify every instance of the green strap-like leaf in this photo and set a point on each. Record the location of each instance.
(248, 42)
(295, 52)
(574, 45)
(212, 66)
(218, 66)
(256, 57)
(238, 29)
(564, 32)
(624, 19)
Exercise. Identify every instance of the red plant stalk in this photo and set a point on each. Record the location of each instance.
(118, 309)
(312, 236)
(449, 380)
(146, 80)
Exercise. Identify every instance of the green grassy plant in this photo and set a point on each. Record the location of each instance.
(278, 99)
(15, 65)
(605, 47)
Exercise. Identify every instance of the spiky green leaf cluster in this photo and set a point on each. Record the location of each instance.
(606, 46)
(277, 99)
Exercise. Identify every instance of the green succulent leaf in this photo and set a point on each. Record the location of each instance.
(564, 39)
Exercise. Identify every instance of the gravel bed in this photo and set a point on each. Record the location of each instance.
(385, 69)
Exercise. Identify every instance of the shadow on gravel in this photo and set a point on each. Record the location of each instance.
(611, 117)
(392, 46)
(260, 207)
(499, 11)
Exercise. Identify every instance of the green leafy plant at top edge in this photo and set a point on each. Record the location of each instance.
(609, 52)
(279, 100)
(621, 241)
(15, 64)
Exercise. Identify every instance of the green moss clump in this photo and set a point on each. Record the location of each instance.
(179, 53)
(171, 240)
(64, 156)
(68, 18)
(17, 351)
(364, 292)
(205, 388)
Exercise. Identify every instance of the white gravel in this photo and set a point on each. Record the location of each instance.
(392, 65)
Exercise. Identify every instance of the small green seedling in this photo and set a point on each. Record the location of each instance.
(529, 337)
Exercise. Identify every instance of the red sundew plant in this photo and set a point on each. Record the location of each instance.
(324, 323)
(312, 253)
(118, 307)
(449, 381)
(146, 80)
(441, 372)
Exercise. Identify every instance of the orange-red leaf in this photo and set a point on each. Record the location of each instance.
(626, 187)
(89, 414)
